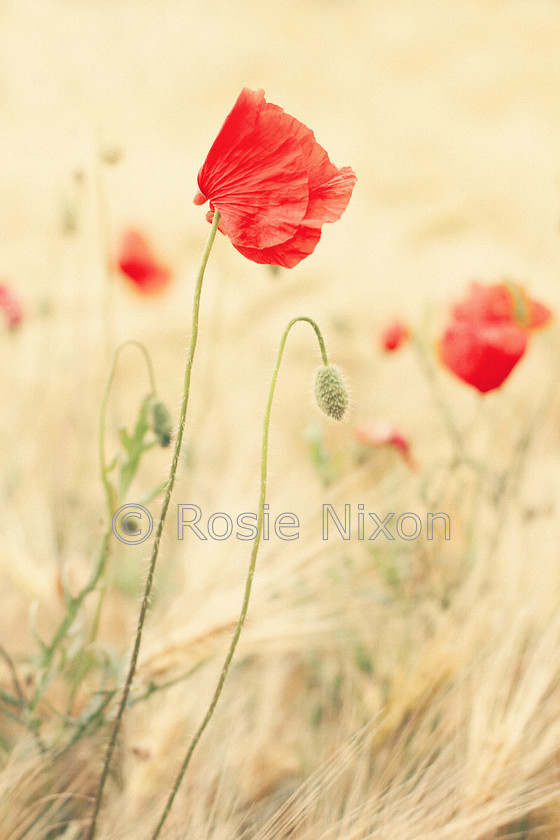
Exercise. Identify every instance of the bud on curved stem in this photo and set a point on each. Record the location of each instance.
(253, 560)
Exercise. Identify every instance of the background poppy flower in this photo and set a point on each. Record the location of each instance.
(10, 306)
(489, 333)
(394, 335)
(137, 261)
(384, 433)
(272, 183)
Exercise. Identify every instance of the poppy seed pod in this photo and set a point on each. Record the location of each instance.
(331, 393)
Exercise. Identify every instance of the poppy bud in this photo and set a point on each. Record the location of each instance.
(331, 393)
(162, 423)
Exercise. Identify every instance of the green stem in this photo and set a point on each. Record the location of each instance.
(109, 491)
(104, 237)
(20, 701)
(159, 531)
(72, 607)
(73, 604)
(251, 572)
(445, 411)
(102, 422)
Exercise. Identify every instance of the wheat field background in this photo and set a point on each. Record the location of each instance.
(408, 691)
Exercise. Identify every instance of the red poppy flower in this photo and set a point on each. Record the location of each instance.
(384, 433)
(489, 333)
(10, 306)
(272, 183)
(395, 335)
(136, 260)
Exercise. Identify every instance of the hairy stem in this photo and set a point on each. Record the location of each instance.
(251, 572)
(159, 531)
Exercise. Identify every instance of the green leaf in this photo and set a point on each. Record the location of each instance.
(319, 454)
(134, 447)
(152, 495)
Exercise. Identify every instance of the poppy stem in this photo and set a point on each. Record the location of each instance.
(445, 412)
(159, 531)
(105, 470)
(252, 564)
(104, 241)
(73, 603)
(102, 423)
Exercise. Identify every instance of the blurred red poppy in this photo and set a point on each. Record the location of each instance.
(384, 433)
(395, 335)
(137, 261)
(272, 183)
(489, 333)
(10, 306)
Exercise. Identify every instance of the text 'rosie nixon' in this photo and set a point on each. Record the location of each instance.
(354, 523)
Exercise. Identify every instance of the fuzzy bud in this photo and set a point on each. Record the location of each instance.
(162, 423)
(330, 392)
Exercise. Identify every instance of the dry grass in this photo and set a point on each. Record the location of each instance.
(383, 690)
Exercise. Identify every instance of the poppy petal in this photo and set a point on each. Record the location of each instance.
(254, 174)
(327, 205)
(502, 303)
(384, 433)
(482, 355)
(539, 315)
(287, 254)
(485, 303)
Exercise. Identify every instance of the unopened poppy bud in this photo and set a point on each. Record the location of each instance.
(162, 423)
(330, 392)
